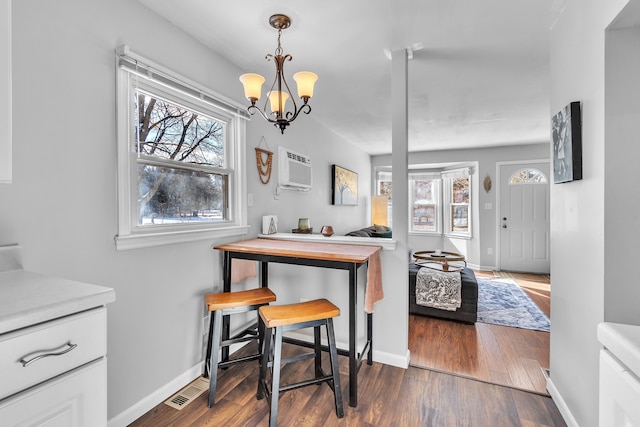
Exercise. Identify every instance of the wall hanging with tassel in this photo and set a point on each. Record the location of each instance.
(264, 162)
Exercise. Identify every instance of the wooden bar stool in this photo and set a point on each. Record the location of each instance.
(222, 304)
(282, 318)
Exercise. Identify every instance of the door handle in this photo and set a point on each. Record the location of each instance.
(504, 222)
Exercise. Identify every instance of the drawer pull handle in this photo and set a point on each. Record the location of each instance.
(47, 353)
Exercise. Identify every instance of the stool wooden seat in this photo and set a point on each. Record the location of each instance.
(223, 304)
(277, 319)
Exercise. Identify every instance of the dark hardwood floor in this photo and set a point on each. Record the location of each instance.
(502, 355)
(390, 396)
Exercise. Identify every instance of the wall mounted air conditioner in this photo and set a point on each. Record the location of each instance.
(294, 170)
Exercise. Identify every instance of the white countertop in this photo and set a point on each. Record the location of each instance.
(29, 298)
(623, 341)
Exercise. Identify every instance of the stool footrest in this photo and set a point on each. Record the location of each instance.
(232, 362)
(296, 358)
(305, 383)
(237, 340)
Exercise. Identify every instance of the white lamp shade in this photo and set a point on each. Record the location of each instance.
(305, 81)
(252, 85)
(379, 210)
(274, 100)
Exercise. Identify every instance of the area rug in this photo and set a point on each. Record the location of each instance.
(502, 302)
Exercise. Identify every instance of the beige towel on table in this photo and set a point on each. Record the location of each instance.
(242, 269)
(374, 291)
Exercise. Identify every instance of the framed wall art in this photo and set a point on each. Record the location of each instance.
(344, 186)
(566, 133)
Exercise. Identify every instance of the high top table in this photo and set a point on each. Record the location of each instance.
(327, 255)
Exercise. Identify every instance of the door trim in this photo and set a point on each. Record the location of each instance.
(498, 254)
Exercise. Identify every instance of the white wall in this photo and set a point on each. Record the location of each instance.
(484, 224)
(61, 205)
(579, 219)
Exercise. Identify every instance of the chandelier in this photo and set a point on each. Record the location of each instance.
(279, 93)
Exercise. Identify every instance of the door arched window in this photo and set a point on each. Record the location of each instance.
(528, 176)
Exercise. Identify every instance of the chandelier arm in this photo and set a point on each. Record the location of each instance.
(252, 110)
(293, 98)
(291, 117)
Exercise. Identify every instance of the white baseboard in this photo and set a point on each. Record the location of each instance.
(561, 404)
(482, 267)
(392, 359)
(145, 405)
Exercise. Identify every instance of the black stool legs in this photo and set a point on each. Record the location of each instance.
(224, 304)
(273, 343)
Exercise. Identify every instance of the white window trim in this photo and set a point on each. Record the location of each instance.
(130, 236)
(447, 203)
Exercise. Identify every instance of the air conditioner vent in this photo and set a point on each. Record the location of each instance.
(294, 170)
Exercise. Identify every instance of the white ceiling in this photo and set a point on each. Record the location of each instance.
(479, 79)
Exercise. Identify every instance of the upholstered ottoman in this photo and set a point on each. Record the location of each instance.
(468, 311)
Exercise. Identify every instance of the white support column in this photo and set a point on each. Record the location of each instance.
(399, 164)
(399, 147)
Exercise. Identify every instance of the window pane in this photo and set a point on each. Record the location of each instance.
(383, 179)
(460, 190)
(424, 218)
(169, 131)
(460, 218)
(528, 176)
(170, 196)
(424, 202)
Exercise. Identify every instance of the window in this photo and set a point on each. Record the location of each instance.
(528, 176)
(424, 200)
(439, 201)
(458, 200)
(179, 177)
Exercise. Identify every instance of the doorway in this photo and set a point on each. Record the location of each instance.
(523, 217)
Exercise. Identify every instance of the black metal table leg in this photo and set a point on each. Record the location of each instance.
(370, 338)
(353, 331)
(226, 287)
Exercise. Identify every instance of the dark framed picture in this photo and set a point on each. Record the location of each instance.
(344, 186)
(566, 133)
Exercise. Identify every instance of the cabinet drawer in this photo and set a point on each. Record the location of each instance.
(32, 355)
(75, 399)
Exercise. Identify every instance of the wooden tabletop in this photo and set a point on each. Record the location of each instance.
(301, 249)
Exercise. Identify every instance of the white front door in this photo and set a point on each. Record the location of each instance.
(524, 217)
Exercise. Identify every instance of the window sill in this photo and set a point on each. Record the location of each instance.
(147, 240)
(458, 236)
(425, 233)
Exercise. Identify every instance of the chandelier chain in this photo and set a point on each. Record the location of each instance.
(279, 48)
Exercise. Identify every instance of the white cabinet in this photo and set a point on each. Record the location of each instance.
(53, 347)
(619, 374)
(54, 373)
